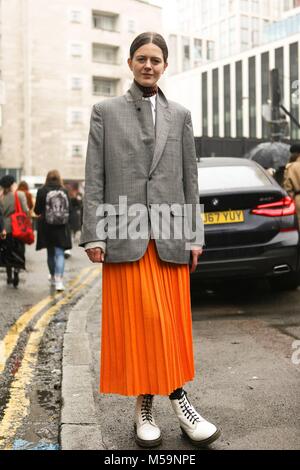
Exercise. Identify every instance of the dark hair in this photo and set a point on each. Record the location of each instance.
(148, 38)
(23, 186)
(7, 181)
(294, 157)
(54, 178)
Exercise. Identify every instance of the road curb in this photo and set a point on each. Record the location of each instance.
(79, 429)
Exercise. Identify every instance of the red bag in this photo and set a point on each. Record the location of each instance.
(21, 224)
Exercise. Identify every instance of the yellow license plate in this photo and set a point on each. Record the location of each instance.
(228, 217)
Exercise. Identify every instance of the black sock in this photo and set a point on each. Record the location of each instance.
(177, 394)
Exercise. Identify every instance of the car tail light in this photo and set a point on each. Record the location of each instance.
(285, 206)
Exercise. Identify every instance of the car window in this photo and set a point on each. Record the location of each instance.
(230, 177)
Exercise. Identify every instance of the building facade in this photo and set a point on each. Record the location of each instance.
(188, 52)
(232, 26)
(288, 25)
(57, 59)
(227, 96)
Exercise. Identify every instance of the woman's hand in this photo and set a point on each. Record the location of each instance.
(96, 255)
(195, 254)
(3, 234)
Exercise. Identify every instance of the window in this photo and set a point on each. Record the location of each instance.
(76, 116)
(131, 26)
(104, 86)
(239, 99)
(215, 102)
(252, 96)
(218, 178)
(76, 16)
(245, 22)
(197, 51)
(76, 50)
(279, 65)
(210, 50)
(77, 151)
(105, 54)
(265, 80)
(232, 6)
(255, 6)
(294, 83)
(245, 6)
(245, 37)
(186, 53)
(105, 21)
(227, 104)
(223, 7)
(76, 83)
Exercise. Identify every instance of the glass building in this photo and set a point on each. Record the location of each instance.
(234, 91)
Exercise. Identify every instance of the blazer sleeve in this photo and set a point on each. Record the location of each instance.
(94, 178)
(190, 182)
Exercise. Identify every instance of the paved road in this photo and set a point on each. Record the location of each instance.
(32, 323)
(245, 380)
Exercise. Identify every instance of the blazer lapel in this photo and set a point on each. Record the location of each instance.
(163, 120)
(163, 124)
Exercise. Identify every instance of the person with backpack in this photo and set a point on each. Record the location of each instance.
(52, 207)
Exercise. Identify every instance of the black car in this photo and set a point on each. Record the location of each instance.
(251, 227)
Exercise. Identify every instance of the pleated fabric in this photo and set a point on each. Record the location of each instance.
(146, 345)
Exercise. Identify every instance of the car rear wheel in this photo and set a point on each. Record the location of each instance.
(288, 281)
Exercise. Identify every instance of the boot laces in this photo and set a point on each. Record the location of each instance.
(188, 410)
(146, 408)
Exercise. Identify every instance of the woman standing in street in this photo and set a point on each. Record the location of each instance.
(15, 249)
(141, 148)
(53, 207)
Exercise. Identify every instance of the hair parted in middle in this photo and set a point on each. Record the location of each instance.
(54, 178)
(148, 38)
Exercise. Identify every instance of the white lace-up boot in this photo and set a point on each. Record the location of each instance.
(199, 431)
(147, 433)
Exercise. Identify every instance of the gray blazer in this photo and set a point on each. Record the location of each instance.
(127, 156)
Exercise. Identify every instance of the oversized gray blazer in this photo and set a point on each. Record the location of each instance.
(127, 157)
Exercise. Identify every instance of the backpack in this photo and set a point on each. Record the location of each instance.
(57, 207)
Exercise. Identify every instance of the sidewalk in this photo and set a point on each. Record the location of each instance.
(244, 382)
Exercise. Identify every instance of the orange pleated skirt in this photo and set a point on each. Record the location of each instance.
(146, 345)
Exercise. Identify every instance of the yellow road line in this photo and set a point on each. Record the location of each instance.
(17, 407)
(11, 338)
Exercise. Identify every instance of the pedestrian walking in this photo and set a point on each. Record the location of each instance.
(291, 182)
(52, 207)
(23, 186)
(13, 249)
(75, 213)
(141, 146)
